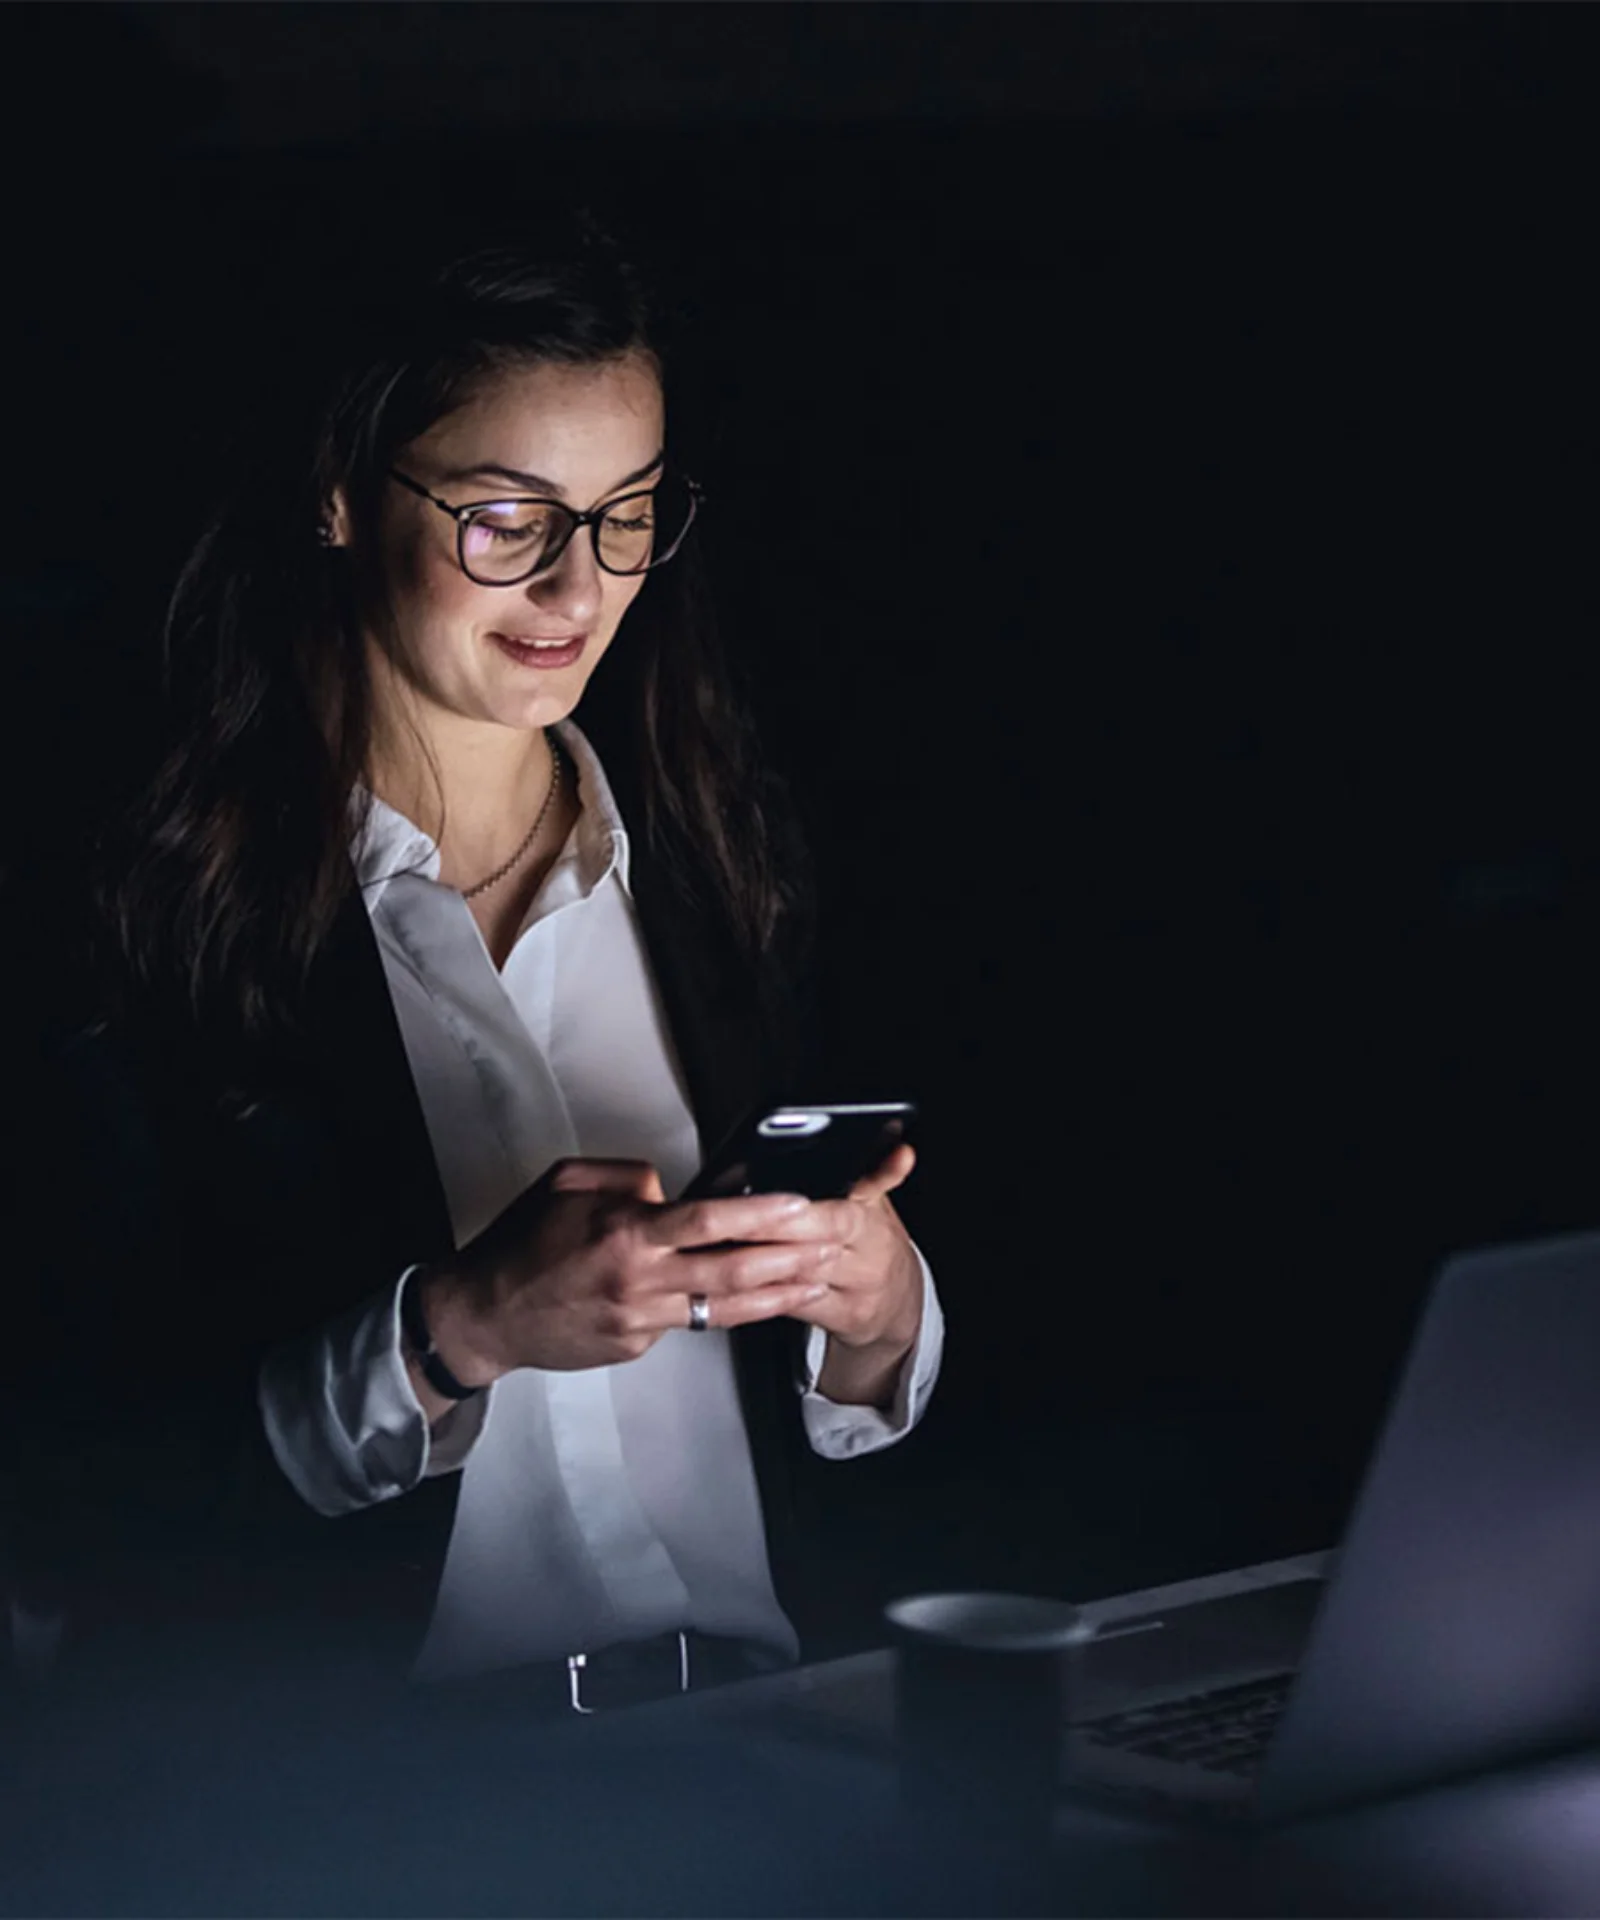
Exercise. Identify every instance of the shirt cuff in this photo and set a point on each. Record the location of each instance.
(837, 1431)
(343, 1419)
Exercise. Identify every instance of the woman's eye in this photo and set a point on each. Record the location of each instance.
(638, 523)
(509, 523)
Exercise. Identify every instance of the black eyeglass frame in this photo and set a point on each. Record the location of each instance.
(591, 519)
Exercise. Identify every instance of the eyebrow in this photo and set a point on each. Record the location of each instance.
(537, 482)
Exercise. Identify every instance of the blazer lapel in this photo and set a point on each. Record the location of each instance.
(358, 1058)
(732, 1059)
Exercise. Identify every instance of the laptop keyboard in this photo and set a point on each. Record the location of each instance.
(1225, 1730)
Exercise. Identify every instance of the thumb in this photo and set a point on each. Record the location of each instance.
(890, 1173)
(636, 1178)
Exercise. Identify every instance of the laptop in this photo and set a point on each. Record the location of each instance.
(1457, 1627)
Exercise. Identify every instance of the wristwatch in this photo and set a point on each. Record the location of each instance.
(419, 1341)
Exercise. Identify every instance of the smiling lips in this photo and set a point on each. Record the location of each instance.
(558, 651)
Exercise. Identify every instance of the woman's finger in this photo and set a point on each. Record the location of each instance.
(744, 1309)
(712, 1223)
(635, 1177)
(726, 1273)
(892, 1172)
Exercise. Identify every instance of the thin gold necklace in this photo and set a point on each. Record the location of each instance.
(467, 893)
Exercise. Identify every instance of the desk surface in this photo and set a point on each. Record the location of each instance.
(1523, 1842)
(738, 1801)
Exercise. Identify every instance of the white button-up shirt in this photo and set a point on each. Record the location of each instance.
(595, 1506)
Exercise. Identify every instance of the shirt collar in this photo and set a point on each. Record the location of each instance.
(603, 843)
(391, 847)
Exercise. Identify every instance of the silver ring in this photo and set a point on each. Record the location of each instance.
(699, 1313)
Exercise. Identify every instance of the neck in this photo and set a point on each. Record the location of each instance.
(475, 792)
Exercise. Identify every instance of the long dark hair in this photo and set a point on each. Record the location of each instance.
(216, 890)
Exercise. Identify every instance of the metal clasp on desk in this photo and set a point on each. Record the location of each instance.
(577, 1662)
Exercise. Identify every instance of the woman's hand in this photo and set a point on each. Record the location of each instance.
(590, 1266)
(872, 1307)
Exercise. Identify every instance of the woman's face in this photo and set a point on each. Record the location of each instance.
(580, 435)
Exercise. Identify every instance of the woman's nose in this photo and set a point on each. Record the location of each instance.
(571, 587)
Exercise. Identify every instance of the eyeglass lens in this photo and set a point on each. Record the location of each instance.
(507, 540)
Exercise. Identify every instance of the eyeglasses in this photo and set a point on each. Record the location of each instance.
(501, 543)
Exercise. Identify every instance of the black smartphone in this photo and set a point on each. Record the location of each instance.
(820, 1151)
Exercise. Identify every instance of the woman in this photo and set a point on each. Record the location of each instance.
(384, 1332)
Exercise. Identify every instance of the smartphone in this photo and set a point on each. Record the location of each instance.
(820, 1151)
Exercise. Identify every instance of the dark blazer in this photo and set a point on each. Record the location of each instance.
(176, 1233)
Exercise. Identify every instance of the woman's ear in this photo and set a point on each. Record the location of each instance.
(333, 523)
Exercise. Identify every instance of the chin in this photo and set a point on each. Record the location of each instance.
(543, 710)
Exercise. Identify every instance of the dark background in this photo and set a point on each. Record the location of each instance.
(1150, 466)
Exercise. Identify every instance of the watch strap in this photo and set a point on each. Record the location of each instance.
(414, 1326)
